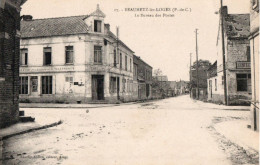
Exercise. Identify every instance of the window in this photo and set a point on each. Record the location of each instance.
(46, 84)
(123, 82)
(135, 70)
(47, 56)
(222, 80)
(112, 84)
(216, 85)
(115, 58)
(120, 60)
(97, 26)
(248, 53)
(244, 82)
(130, 65)
(97, 54)
(69, 54)
(23, 56)
(23, 85)
(125, 62)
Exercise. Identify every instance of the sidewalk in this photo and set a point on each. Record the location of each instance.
(21, 128)
(238, 133)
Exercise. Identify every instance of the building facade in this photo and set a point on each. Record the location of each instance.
(9, 61)
(74, 60)
(142, 79)
(254, 47)
(237, 58)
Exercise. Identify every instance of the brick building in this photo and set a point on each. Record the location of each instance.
(237, 57)
(142, 79)
(254, 45)
(74, 59)
(9, 60)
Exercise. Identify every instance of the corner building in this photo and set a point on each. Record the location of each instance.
(74, 59)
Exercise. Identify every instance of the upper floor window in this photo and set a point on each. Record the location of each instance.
(69, 54)
(248, 53)
(135, 70)
(97, 26)
(130, 65)
(23, 56)
(97, 54)
(120, 60)
(47, 56)
(114, 57)
(125, 62)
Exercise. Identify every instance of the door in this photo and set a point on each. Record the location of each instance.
(97, 87)
(34, 85)
(210, 89)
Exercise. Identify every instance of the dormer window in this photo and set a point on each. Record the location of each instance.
(97, 26)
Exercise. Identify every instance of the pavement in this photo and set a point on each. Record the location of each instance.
(193, 132)
(41, 122)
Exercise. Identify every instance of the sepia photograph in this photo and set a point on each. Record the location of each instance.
(129, 82)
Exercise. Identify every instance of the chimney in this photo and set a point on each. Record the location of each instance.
(107, 26)
(224, 11)
(27, 17)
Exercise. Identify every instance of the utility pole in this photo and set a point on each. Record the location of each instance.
(223, 53)
(190, 74)
(115, 60)
(197, 65)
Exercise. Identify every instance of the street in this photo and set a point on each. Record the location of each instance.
(173, 131)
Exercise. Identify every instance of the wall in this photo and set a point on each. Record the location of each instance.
(9, 66)
(254, 45)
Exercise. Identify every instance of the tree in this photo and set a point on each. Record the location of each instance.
(157, 72)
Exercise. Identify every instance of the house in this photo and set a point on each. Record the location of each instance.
(142, 79)
(9, 61)
(74, 59)
(237, 58)
(198, 84)
(212, 80)
(254, 56)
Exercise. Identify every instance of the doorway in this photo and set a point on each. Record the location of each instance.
(34, 85)
(97, 87)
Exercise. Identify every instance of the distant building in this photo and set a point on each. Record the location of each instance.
(74, 59)
(199, 81)
(212, 80)
(160, 87)
(142, 79)
(9, 61)
(237, 57)
(254, 44)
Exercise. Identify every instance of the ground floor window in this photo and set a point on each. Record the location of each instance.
(244, 82)
(46, 84)
(112, 84)
(23, 85)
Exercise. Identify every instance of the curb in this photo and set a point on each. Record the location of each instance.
(31, 130)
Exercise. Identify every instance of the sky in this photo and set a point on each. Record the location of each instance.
(163, 42)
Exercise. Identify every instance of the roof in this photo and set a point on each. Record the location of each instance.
(120, 42)
(54, 26)
(139, 58)
(161, 78)
(237, 25)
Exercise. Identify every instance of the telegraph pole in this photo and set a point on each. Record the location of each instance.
(223, 53)
(190, 74)
(197, 65)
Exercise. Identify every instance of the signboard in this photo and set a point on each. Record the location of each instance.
(243, 65)
(47, 69)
